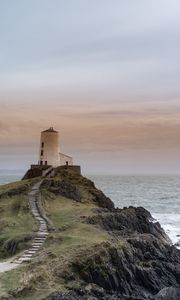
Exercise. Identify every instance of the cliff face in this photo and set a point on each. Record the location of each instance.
(138, 263)
(95, 251)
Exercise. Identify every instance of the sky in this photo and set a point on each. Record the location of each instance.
(105, 74)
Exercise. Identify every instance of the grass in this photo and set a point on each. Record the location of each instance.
(70, 232)
(10, 280)
(69, 236)
(16, 187)
(16, 221)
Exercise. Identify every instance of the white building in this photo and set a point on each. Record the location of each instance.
(50, 150)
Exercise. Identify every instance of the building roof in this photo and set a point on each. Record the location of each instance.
(51, 129)
(65, 155)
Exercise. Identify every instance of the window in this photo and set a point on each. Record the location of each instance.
(67, 163)
(41, 162)
(46, 162)
(42, 144)
(41, 152)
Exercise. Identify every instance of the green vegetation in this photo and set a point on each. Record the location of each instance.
(70, 236)
(16, 222)
(16, 188)
(10, 280)
(71, 232)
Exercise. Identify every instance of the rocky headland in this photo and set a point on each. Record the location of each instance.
(93, 250)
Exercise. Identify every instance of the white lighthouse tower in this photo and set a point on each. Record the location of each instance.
(49, 148)
(49, 153)
(50, 158)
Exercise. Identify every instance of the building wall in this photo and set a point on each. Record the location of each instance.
(65, 160)
(49, 148)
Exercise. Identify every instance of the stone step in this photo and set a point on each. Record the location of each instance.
(35, 247)
(43, 229)
(17, 262)
(39, 241)
(37, 244)
(24, 259)
(43, 233)
(26, 255)
(31, 252)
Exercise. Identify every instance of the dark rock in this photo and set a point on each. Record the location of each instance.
(73, 185)
(35, 172)
(11, 247)
(125, 270)
(136, 262)
(168, 293)
(124, 222)
(66, 189)
(71, 295)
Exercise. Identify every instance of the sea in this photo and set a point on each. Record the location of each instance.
(160, 194)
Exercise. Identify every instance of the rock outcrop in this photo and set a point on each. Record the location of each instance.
(138, 263)
(130, 259)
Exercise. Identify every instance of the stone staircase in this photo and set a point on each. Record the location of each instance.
(34, 198)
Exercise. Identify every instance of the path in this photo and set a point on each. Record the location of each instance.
(34, 198)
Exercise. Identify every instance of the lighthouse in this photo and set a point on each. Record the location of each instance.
(49, 153)
(51, 160)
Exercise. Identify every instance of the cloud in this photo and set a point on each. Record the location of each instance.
(105, 73)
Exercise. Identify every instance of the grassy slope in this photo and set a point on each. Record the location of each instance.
(16, 221)
(68, 237)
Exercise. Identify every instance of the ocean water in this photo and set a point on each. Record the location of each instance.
(160, 194)
(7, 176)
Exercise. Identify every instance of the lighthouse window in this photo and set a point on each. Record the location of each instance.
(42, 145)
(41, 152)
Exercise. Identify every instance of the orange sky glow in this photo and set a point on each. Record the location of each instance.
(104, 73)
